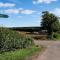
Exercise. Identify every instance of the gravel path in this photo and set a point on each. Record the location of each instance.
(52, 52)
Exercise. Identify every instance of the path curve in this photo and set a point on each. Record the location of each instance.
(52, 52)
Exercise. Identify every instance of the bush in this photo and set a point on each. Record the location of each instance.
(11, 40)
(56, 35)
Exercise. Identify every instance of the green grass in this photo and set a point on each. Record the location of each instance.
(20, 54)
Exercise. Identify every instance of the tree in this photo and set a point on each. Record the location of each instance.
(50, 23)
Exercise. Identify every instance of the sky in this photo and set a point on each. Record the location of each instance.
(24, 13)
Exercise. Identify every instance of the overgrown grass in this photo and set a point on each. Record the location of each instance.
(11, 40)
(20, 54)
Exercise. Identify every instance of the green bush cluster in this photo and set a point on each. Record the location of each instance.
(56, 35)
(11, 40)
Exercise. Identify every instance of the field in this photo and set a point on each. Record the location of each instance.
(35, 32)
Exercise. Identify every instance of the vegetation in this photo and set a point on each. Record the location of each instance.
(56, 36)
(11, 40)
(27, 29)
(20, 54)
(50, 23)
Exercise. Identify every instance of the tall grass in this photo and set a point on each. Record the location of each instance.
(20, 54)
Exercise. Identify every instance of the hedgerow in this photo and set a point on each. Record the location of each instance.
(11, 40)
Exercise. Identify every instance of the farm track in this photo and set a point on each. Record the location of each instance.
(52, 51)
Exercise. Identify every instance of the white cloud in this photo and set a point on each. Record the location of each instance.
(27, 11)
(20, 16)
(56, 11)
(15, 11)
(19, 11)
(34, 2)
(20, 8)
(43, 1)
(6, 4)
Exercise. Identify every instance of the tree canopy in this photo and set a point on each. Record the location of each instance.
(50, 22)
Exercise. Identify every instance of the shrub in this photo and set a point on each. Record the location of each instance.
(56, 35)
(11, 40)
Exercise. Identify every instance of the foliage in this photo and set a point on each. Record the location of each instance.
(56, 26)
(11, 40)
(26, 29)
(50, 23)
(56, 36)
(20, 54)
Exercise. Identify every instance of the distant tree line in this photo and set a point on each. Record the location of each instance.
(27, 29)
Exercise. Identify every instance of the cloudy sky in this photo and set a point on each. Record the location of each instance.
(26, 12)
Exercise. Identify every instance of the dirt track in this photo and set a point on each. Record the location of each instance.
(52, 52)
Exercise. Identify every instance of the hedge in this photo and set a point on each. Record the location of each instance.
(11, 40)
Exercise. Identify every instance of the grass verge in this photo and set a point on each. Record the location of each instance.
(20, 54)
